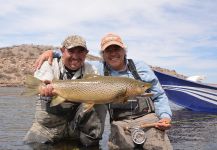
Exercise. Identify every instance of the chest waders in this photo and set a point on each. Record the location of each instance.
(133, 108)
(66, 109)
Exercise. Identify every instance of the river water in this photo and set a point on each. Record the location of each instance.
(190, 131)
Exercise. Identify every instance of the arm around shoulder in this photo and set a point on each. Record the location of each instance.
(45, 72)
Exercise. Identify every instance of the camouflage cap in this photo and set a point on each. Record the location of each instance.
(74, 41)
(111, 39)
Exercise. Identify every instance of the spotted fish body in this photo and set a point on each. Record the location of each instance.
(93, 89)
(99, 89)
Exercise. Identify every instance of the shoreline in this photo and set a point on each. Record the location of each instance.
(11, 85)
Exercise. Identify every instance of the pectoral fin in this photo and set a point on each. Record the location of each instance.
(56, 100)
(121, 96)
(125, 99)
(87, 107)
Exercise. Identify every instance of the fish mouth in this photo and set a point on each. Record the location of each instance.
(147, 85)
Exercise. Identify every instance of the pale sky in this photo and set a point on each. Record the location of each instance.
(179, 35)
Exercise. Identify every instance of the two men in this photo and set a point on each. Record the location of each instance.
(137, 111)
(67, 120)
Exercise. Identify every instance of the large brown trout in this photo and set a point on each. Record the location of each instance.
(94, 89)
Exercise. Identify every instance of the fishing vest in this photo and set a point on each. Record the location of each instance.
(61, 73)
(133, 108)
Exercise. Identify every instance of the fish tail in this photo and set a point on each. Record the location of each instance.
(32, 84)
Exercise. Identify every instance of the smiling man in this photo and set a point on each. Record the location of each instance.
(138, 111)
(66, 120)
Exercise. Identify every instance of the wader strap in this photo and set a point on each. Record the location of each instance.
(135, 74)
(133, 70)
(106, 69)
(61, 74)
(131, 66)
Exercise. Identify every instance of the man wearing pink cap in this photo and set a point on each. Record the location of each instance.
(137, 111)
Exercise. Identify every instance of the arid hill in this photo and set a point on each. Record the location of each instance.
(18, 61)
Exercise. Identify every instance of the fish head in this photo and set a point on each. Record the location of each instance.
(138, 88)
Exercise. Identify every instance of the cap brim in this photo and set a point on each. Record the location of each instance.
(69, 47)
(111, 43)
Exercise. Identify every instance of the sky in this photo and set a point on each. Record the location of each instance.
(178, 35)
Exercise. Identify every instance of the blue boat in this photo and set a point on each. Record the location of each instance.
(192, 95)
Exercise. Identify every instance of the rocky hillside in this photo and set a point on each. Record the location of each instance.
(18, 61)
(167, 71)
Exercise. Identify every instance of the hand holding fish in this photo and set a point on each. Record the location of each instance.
(46, 90)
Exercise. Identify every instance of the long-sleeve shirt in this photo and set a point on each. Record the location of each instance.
(161, 104)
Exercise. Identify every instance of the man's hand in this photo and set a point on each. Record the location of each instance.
(163, 124)
(47, 55)
(47, 90)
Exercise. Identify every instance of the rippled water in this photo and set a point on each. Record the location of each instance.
(190, 131)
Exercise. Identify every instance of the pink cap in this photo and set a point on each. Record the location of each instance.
(111, 39)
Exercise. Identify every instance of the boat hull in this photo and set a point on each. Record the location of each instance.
(191, 95)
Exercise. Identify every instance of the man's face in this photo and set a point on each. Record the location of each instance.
(114, 57)
(74, 58)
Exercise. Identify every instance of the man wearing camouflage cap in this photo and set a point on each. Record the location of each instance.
(66, 120)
